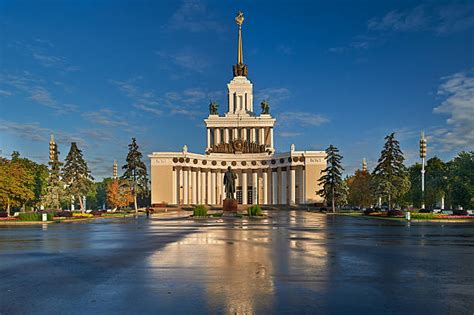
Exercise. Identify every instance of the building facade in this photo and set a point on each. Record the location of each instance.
(243, 140)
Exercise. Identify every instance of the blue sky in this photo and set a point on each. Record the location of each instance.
(340, 72)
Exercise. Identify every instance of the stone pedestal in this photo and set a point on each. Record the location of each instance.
(230, 205)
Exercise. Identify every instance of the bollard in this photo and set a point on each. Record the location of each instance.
(44, 217)
(408, 216)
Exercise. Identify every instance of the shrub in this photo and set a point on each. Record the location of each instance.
(200, 211)
(369, 211)
(422, 216)
(254, 211)
(3, 214)
(460, 212)
(64, 214)
(33, 216)
(395, 213)
(97, 212)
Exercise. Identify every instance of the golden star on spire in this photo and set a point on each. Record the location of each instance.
(239, 19)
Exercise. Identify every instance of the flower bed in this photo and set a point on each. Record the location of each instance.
(82, 215)
(9, 219)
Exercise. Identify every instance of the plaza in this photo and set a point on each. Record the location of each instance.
(291, 262)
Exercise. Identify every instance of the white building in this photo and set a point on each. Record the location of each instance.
(243, 140)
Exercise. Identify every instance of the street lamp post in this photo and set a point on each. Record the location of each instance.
(423, 157)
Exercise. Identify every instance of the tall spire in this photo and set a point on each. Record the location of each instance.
(240, 69)
(239, 19)
(364, 165)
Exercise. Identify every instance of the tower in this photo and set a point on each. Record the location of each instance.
(364, 165)
(423, 158)
(240, 129)
(52, 149)
(115, 173)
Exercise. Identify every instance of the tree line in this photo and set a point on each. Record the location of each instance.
(27, 185)
(391, 183)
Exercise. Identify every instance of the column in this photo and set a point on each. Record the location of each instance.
(244, 134)
(226, 135)
(217, 134)
(244, 187)
(208, 137)
(234, 135)
(262, 136)
(209, 187)
(219, 187)
(185, 186)
(252, 134)
(271, 137)
(274, 186)
(213, 187)
(254, 187)
(203, 187)
(292, 185)
(180, 184)
(283, 186)
(198, 187)
(193, 186)
(174, 187)
(265, 187)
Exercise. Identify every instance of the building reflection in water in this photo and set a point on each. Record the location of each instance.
(236, 263)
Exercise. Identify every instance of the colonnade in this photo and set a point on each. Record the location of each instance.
(225, 135)
(270, 186)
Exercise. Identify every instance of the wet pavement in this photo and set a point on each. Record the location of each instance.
(292, 262)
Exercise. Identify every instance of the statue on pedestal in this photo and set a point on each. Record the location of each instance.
(265, 107)
(229, 182)
(213, 107)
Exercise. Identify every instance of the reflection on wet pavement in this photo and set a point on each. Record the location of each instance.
(291, 262)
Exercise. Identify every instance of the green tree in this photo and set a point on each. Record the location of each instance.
(101, 192)
(390, 175)
(360, 189)
(332, 179)
(55, 186)
(76, 175)
(135, 172)
(35, 180)
(461, 180)
(436, 181)
(413, 195)
(15, 184)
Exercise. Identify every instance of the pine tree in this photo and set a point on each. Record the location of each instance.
(390, 175)
(332, 179)
(55, 187)
(76, 175)
(135, 172)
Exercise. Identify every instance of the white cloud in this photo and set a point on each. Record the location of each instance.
(148, 109)
(105, 117)
(303, 118)
(409, 20)
(458, 91)
(274, 95)
(289, 134)
(40, 50)
(193, 16)
(186, 59)
(37, 133)
(5, 93)
(36, 92)
(284, 49)
(438, 19)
